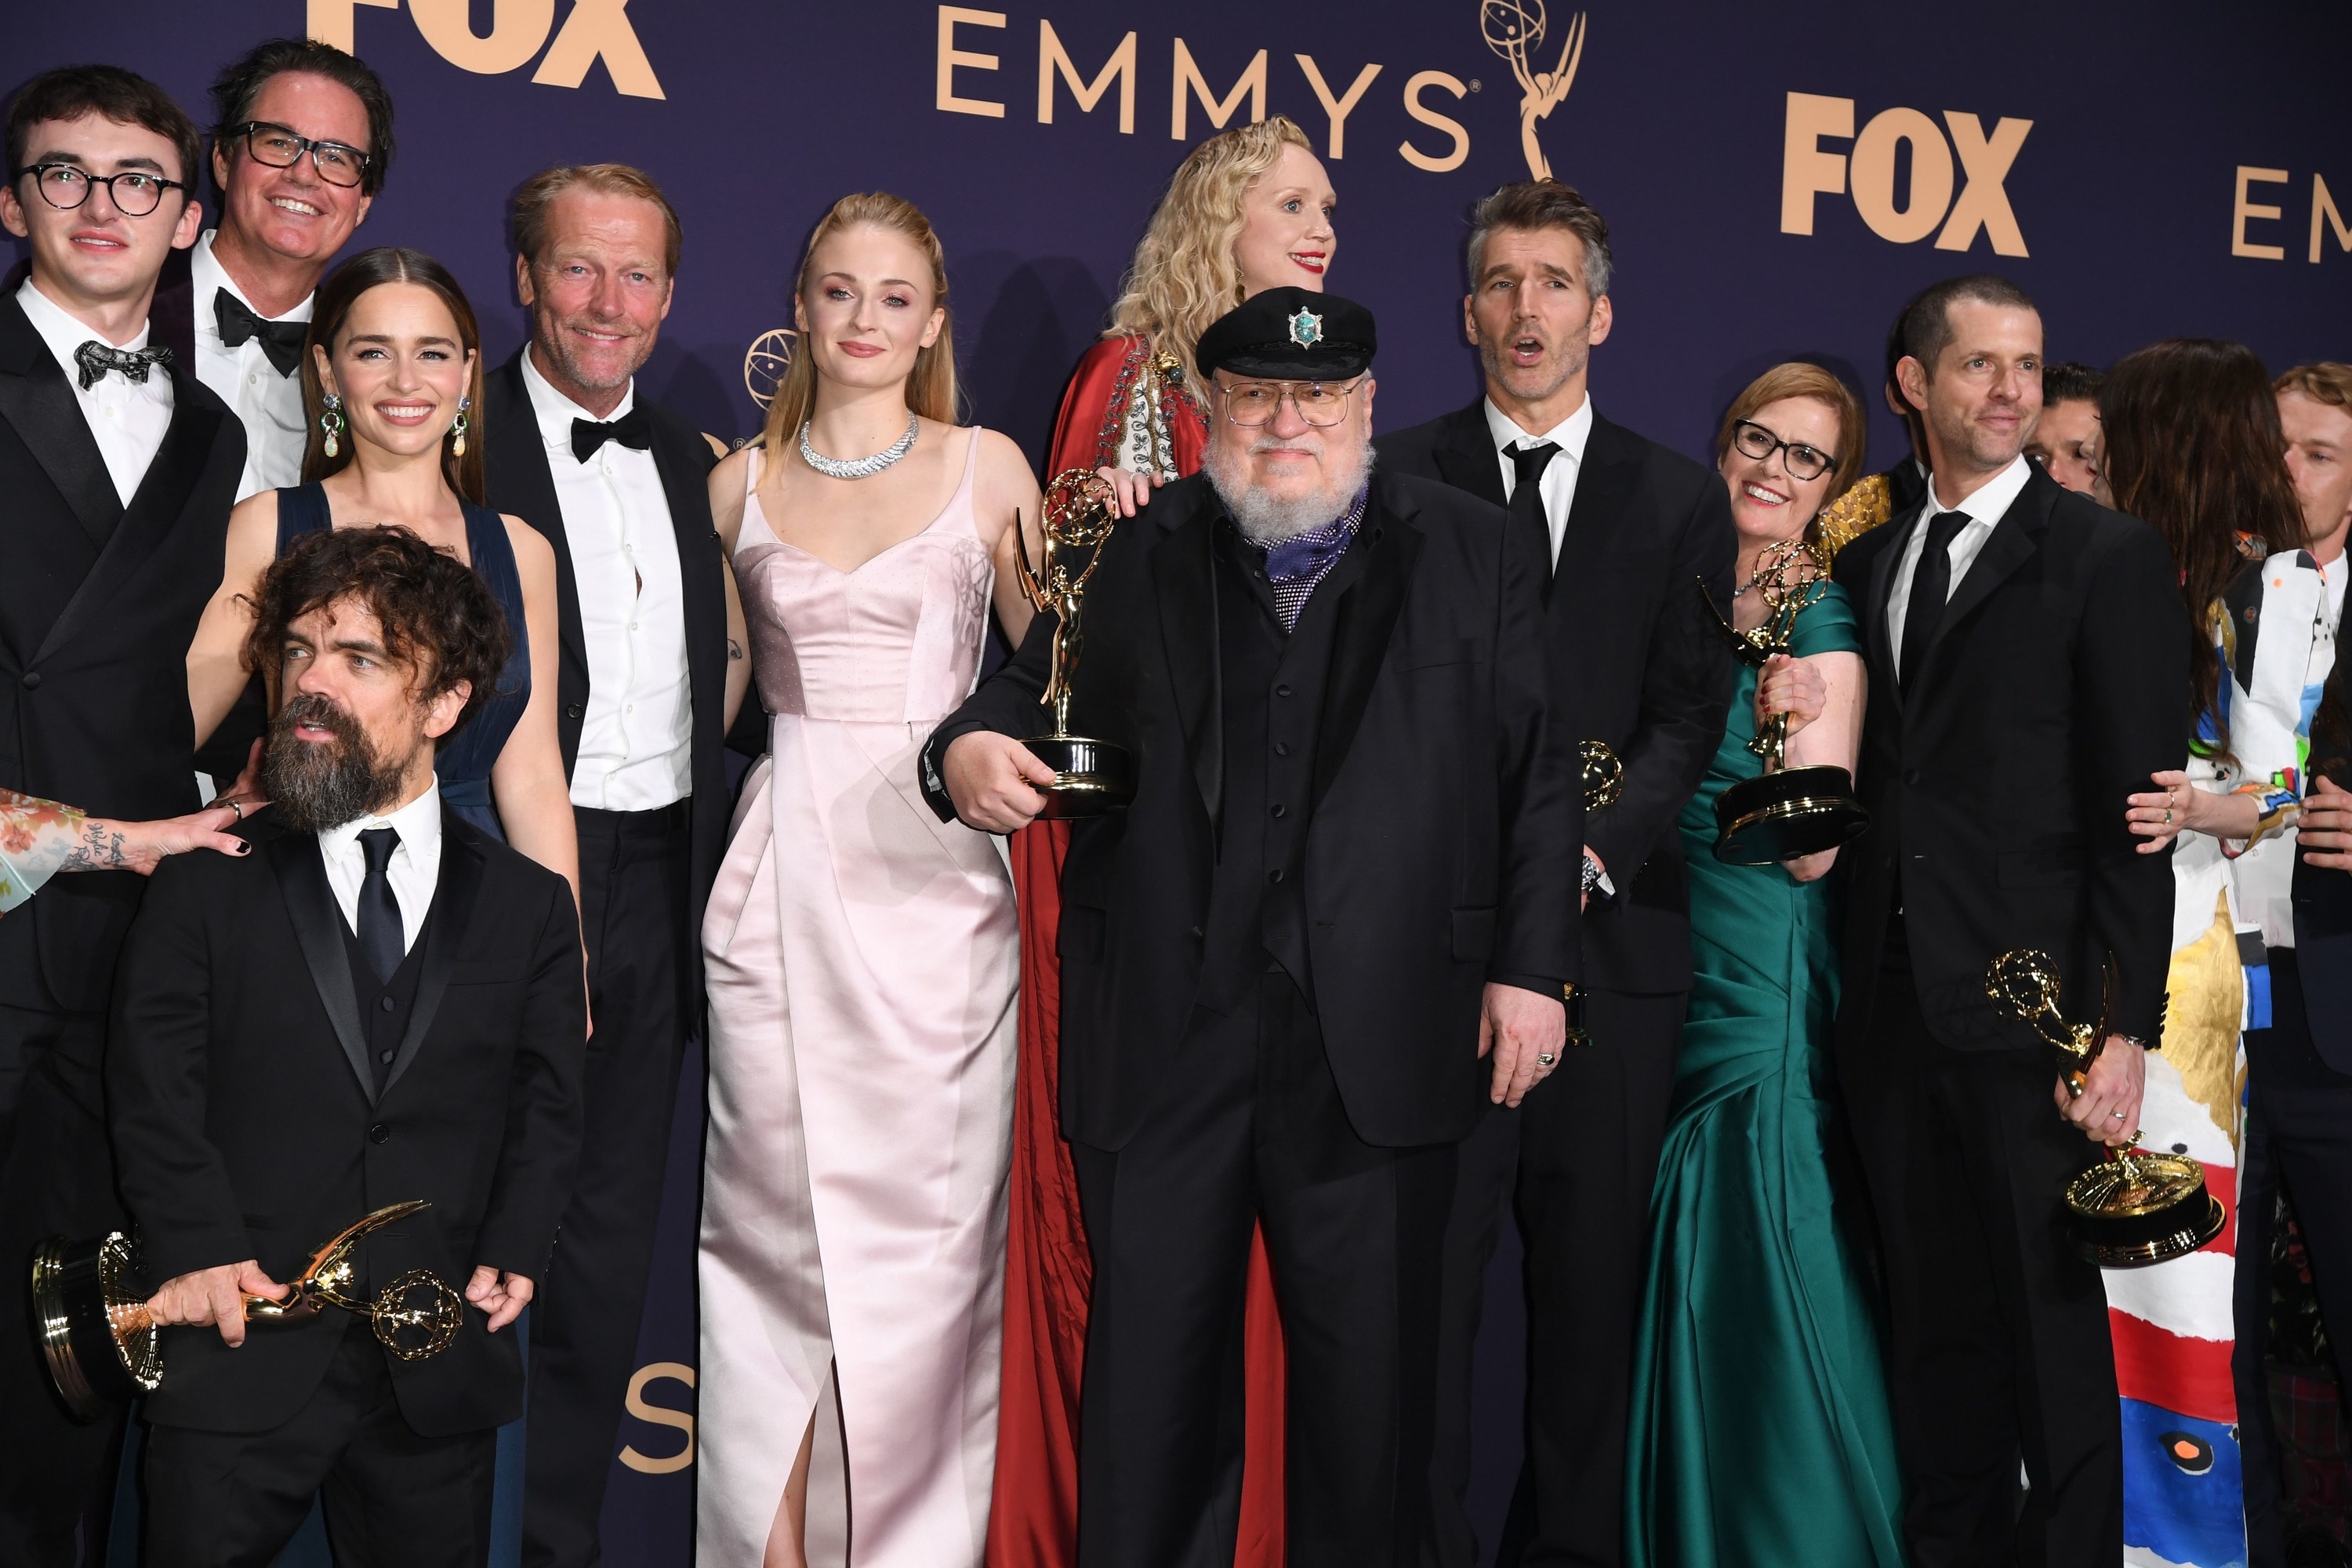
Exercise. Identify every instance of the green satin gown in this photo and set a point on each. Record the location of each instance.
(1758, 1435)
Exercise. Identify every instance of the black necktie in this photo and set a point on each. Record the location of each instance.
(97, 358)
(1931, 586)
(632, 429)
(281, 342)
(379, 927)
(1527, 507)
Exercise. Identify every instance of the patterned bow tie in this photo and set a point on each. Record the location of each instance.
(281, 342)
(632, 429)
(95, 359)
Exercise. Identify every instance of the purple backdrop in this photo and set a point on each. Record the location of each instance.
(1778, 182)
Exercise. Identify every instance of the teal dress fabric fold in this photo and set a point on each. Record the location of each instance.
(1760, 1434)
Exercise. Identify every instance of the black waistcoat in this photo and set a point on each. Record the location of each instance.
(1272, 685)
(386, 1008)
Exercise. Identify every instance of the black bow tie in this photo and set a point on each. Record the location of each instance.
(97, 358)
(632, 429)
(280, 341)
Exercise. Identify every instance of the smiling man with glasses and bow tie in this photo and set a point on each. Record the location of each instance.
(652, 640)
(119, 468)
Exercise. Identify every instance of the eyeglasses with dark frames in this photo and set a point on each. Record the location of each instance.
(1251, 404)
(134, 192)
(1803, 462)
(338, 163)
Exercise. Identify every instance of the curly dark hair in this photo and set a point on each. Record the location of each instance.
(438, 617)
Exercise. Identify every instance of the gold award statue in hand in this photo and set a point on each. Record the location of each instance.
(2134, 1206)
(101, 1346)
(1090, 777)
(1783, 813)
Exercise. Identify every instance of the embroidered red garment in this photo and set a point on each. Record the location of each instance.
(1048, 1271)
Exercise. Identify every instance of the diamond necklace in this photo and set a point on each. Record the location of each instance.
(859, 468)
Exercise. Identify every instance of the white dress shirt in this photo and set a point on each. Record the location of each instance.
(1986, 505)
(1558, 482)
(129, 420)
(413, 870)
(269, 405)
(637, 738)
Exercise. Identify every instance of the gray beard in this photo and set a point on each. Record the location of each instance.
(1265, 522)
(313, 788)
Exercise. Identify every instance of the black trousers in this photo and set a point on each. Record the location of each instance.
(637, 916)
(392, 1499)
(1577, 1161)
(1250, 1125)
(2298, 1134)
(57, 1178)
(1998, 1348)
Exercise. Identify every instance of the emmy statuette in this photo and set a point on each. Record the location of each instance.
(101, 1347)
(1090, 777)
(2134, 1206)
(1783, 813)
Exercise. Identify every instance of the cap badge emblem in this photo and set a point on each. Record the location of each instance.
(1305, 328)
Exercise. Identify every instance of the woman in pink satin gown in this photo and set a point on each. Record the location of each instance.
(862, 954)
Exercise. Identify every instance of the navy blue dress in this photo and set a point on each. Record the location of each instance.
(464, 763)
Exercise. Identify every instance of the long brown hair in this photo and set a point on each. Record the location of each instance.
(332, 311)
(2190, 428)
(931, 384)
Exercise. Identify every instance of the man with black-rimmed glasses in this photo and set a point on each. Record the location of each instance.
(119, 468)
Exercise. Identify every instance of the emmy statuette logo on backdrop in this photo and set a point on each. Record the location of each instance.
(765, 361)
(1515, 30)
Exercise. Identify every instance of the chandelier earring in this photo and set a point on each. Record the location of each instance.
(458, 428)
(332, 422)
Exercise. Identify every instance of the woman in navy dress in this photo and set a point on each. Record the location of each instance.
(393, 378)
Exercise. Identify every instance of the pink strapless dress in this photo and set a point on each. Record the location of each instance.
(863, 958)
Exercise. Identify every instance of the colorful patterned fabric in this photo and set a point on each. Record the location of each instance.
(35, 835)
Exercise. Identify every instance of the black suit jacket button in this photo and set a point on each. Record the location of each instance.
(1196, 933)
(378, 1134)
(573, 712)
(385, 1056)
(1279, 809)
(32, 680)
(1910, 775)
(1283, 689)
(1275, 874)
(1281, 748)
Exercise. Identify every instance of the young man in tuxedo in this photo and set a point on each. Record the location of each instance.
(1258, 1017)
(2027, 652)
(1629, 531)
(618, 484)
(119, 468)
(380, 1003)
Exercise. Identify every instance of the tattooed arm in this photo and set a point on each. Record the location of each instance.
(39, 839)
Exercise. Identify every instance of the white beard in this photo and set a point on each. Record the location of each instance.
(1266, 521)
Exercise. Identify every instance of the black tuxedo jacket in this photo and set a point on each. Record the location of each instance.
(1440, 852)
(97, 605)
(2056, 685)
(247, 1125)
(2323, 948)
(514, 465)
(1635, 661)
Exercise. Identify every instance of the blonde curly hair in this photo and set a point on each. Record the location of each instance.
(1183, 275)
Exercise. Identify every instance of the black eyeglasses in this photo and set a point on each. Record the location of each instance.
(1803, 462)
(338, 163)
(133, 192)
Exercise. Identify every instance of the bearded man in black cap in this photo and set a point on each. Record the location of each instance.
(1346, 876)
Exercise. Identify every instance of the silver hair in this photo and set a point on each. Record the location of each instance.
(1266, 521)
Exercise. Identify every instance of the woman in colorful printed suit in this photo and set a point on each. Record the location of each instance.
(1248, 210)
(2194, 440)
(1759, 1432)
(39, 839)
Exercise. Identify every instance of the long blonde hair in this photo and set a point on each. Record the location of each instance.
(931, 384)
(1183, 275)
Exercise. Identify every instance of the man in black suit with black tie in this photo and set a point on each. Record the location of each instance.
(2027, 653)
(644, 606)
(379, 1004)
(1347, 874)
(119, 468)
(1629, 530)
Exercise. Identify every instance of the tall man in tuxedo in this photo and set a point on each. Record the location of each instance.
(2028, 653)
(119, 468)
(381, 1004)
(1628, 531)
(1260, 1016)
(618, 483)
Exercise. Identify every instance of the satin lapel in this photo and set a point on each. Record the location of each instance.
(445, 936)
(2011, 544)
(319, 930)
(1465, 457)
(38, 401)
(1605, 482)
(519, 482)
(1366, 619)
(1895, 542)
(685, 485)
(1182, 571)
(159, 504)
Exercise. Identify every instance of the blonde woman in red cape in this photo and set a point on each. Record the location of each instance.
(1248, 210)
